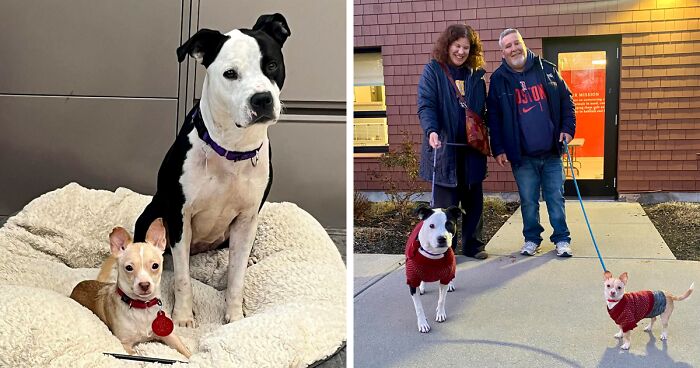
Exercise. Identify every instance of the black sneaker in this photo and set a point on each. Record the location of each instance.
(481, 255)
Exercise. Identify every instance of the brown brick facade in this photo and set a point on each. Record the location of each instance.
(659, 117)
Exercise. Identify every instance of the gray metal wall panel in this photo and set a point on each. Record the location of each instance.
(88, 48)
(309, 168)
(47, 142)
(315, 53)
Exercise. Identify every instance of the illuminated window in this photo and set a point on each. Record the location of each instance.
(370, 126)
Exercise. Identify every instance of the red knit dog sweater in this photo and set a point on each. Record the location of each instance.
(420, 268)
(632, 308)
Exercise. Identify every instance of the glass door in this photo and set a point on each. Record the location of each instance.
(591, 68)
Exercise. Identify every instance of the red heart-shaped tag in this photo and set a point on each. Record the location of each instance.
(162, 325)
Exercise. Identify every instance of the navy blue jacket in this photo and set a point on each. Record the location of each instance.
(502, 115)
(439, 111)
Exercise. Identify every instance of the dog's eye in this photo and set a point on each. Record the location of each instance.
(271, 66)
(231, 74)
(432, 226)
(608, 285)
(155, 266)
(129, 268)
(618, 288)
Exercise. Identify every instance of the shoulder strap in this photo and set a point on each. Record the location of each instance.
(449, 76)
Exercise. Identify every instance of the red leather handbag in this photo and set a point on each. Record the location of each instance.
(477, 132)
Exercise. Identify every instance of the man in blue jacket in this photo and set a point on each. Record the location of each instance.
(530, 113)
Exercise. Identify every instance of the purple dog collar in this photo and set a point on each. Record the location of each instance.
(221, 151)
(229, 155)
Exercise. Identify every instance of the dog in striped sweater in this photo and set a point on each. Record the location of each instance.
(627, 309)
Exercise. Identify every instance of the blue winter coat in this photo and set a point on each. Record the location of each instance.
(503, 116)
(439, 111)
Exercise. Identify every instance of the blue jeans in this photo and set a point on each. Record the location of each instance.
(546, 174)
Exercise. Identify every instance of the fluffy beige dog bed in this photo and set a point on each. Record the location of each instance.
(294, 297)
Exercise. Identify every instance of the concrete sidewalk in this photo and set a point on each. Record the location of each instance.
(622, 230)
(542, 311)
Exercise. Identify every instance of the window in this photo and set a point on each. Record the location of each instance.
(370, 132)
(584, 73)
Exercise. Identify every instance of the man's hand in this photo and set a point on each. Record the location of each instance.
(502, 159)
(563, 136)
(434, 140)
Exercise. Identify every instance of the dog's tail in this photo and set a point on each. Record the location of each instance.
(685, 295)
(106, 270)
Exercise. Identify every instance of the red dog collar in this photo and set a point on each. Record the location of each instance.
(133, 303)
(613, 301)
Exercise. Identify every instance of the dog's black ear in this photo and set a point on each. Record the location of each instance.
(423, 212)
(203, 46)
(275, 26)
(454, 213)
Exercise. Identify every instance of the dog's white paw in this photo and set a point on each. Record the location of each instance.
(664, 336)
(129, 349)
(421, 288)
(618, 335)
(450, 287)
(625, 346)
(183, 319)
(423, 325)
(440, 316)
(648, 328)
(233, 316)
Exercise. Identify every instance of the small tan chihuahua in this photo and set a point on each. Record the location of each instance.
(131, 307)
(627, 309)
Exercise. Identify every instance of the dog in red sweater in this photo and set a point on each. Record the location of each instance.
(430, 258)
(627, 309)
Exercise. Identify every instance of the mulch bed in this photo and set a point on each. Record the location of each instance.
(679, 226)
(382, 228)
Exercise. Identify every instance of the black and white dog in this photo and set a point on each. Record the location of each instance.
(430, 258)
(217, 174)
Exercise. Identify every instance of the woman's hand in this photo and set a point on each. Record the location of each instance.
(434, 140)
(502, 159)
(565, 137)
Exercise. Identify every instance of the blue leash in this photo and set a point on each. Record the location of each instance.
(571, 165)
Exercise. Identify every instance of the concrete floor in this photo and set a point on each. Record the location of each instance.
(339, 238)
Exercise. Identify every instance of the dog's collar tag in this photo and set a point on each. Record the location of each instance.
(162, 325)
(254, 160)
(206, 162)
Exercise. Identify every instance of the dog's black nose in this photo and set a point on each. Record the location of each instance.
(262, 103)
(144, 285)
(442, 240)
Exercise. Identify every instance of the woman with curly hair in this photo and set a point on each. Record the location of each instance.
(459, 169)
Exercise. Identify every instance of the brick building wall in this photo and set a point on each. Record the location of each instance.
(659, 117)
